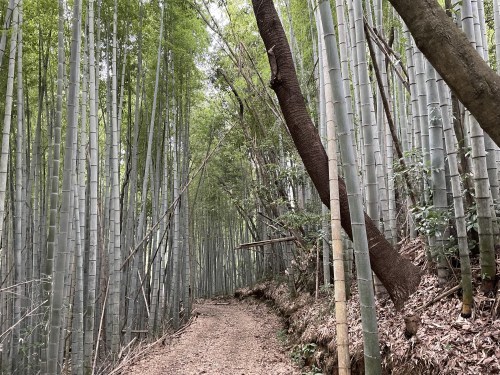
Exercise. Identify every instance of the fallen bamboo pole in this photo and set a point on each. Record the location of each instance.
(266, 242)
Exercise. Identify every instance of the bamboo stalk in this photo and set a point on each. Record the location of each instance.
(265, 242)
(390, 121)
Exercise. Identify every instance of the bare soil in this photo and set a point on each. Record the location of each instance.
(238, 338)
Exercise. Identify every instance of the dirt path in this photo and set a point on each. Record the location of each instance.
(235, 339)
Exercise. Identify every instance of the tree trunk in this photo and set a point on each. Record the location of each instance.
(399, 276)
(476, 85)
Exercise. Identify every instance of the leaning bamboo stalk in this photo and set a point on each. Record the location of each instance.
(175, 202)
(101, 323)
(323, 133)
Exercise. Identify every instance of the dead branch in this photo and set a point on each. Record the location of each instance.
(441, 296)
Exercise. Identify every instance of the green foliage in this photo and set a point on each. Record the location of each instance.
(435, 222)
(490, 33)
(417, 171)
(431, 221)
(304, 32)
(302, 218)
(302, 353)
(282, 337)
(314, 371)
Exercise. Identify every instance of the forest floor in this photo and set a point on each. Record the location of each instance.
(230, 337)
(444, 342)
(246, 337)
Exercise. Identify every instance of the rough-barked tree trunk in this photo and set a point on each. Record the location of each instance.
(447, 48)
(398, 275)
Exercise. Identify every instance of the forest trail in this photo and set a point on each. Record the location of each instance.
(239, 338)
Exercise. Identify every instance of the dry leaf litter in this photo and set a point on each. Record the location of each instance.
(444, 344)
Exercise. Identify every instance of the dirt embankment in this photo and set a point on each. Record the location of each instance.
(238, 338)
(445, 343)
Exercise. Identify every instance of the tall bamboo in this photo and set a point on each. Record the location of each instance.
(93, 195)
(115, 214)
(325, 26)
(54, 171)
(7, 21)
(367, 117)
(4, 156)
(439, 194)
(458, 204)
(20, 275)
(150, 136)
(130, 236)
(56, 311)
(481, 178)
(496, 20)
(365, 282)
(323, 133)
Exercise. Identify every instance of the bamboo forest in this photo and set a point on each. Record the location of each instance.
(250, 187)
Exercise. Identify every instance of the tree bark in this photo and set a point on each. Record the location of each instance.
(399, 275)
(447, 48)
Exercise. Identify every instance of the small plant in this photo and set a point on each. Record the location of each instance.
(328, 290)
(282, 337)
(301, 354)
(416, 170)
(314, 371)
(431, 221)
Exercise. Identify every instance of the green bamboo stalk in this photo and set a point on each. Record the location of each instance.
(342, 339)
(59, 272)
(365, 281)
(458, 204)
(481, 178)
